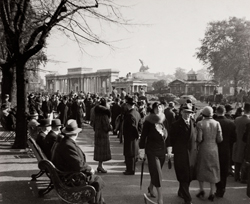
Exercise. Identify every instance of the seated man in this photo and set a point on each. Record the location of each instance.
(45, 126)
(51, 137)
(68, 157)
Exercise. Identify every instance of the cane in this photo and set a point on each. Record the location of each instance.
(142, 168)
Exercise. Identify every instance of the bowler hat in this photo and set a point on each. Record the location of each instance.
(228, 107)
(56, 123)
(45, 123)
(71, 128)
(187, 107)
(130, 101)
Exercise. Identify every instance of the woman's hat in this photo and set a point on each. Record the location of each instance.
(71, 128)
(207, 111)
(45, 123)
(56, 123)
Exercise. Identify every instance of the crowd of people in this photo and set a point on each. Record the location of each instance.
(207, 147)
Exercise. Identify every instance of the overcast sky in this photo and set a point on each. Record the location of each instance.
(167, 39)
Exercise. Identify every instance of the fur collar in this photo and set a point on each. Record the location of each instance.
(154, 119)
(102, 110)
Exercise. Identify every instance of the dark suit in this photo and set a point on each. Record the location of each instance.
(40, 140)
(170, 116)
(69, 157)
(183, 141)
(78, 111)
(47, 108)
(63, 110)
(49, 141)
(131, 128)
(224, 149)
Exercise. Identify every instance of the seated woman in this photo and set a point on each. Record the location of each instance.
(68, 157)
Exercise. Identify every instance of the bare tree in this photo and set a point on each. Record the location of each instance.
(26, 26)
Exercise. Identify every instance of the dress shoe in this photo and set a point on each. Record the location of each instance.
(180, 195)
(129, 173)
(102, 170)
(211, 197)
(201, 194)
(219, 195)
(151, 193)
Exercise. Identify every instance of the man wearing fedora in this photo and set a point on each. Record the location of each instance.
(132, 127)
(69, 157)
(183, 140)
(52, 136)
(45, 125)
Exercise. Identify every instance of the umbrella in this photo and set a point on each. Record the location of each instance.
(142, 168)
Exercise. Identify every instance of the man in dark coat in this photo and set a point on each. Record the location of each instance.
(132, 126)
(63, 110)
(169, 114)
(47, 107)
(229, 137)
(68, 157)
(246, 139)
(183, 140)
(51, 137)
(78, 111)
(45, 128)
(115, 111)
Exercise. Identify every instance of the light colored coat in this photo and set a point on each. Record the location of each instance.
(239, 145)
(208, 166)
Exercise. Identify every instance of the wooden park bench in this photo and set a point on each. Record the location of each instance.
(71, 187)
(6, 135)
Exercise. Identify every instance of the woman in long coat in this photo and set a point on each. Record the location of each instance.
(155, 140)
(102, 127)
(208, 166)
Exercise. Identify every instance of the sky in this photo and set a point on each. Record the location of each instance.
(165, 35)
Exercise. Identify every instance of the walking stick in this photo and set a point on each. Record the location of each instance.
(142, 168)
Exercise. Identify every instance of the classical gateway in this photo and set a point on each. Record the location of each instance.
(82, 79)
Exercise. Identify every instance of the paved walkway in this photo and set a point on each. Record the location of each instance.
(16, 187)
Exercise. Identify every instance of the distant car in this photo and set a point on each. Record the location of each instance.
(184, 98)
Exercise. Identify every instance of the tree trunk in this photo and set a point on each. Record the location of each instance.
(235, 86)
(21, 120)
(7, 82)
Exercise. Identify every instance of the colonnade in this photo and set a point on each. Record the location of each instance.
(66, 84)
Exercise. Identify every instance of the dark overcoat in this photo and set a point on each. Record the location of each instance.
(49, 141)
(115, 111)
(40, 140)
(239, 146)
(102, 127)
(229, 137)
(47, 108)
(183, 141)
(69, 157)
(63, 111)
(132, 126)
(78, 112)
